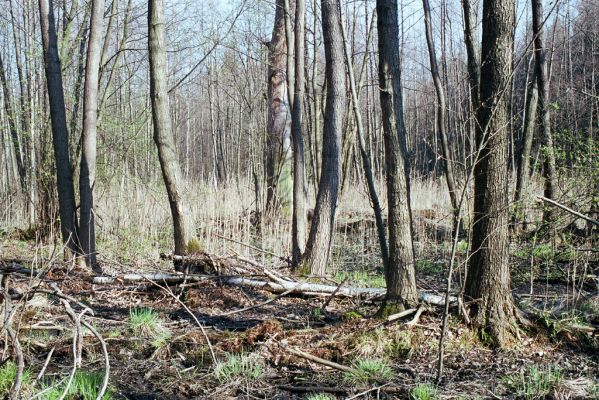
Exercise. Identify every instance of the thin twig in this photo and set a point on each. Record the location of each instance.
(249, 246)
(568, 209)
(259, 304)
(106, 359)
(46, 363)
(174, 296)
(328, 300)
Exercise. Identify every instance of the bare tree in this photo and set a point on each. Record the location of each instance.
(401, 275)
(366, 162)
(441, 113)
(87, 175)
(278, 149)
(60, 137)
(488, 279)
(163, 135)
(12, 124)
(523, 165)
(321, 232)
(542, 73)
(298, 233)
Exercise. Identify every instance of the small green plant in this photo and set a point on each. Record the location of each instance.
(321, 396)
(351, 315)
(428, 267)
(534, 383)
(369, 371)
(424, 391)
(85, 386)
(239, 367)
(194, 246)
(147, 323)
(362, 278)
(8, 374)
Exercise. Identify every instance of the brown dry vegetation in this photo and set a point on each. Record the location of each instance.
(177, 363)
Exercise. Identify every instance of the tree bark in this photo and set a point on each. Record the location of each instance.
(163, 135)
(278, 156)
(401, 275)
(321, 231)
(87, 175)
(488, 280)
(549, 168)
(60, 136)
(298, 227)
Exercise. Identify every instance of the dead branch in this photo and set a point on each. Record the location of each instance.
(399, 315)
(568, 209)
(319, 360)
(9, 310)
(46, 363)
(106, 359)
(277, 297)
(77, 339)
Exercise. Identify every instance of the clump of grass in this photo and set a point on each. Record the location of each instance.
(534, 383)
(424, 391)
(8, 374)
(370, 370)
(245, 367)
(362, 279)
(321, 396)
(85, 386)
(147, 323)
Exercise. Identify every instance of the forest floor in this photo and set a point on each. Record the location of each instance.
(157, 350)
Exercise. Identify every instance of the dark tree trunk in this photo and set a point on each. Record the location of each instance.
(298, 234)
(12, 125)
(163, 135)
(549, 168)
(488, 280)
(87, 175)
(60, 136)
(400, 276)
(321, 231)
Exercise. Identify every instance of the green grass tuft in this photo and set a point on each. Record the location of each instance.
(85, 386)
(246, 367)
(147, 323)
(8, 374)
(321, 396)
(534, 383)
(367, 371)
(424, 391)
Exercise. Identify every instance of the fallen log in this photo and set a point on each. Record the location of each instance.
(281, 286)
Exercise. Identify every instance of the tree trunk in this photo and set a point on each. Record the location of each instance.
(549, 168)
(278, 156)
(321, 231)
(488, 280)
(60, 136)
(441, 114)
(366, 162)
(298, 234)
(163, 135)
(401, 275)
(87, 175)
(12, 124)
(523, 167)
